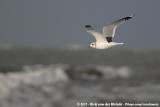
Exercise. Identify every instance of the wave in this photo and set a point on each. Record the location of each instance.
(32, 75)
(40, 74)
(110, 72)
(101, 72)
(61, 85)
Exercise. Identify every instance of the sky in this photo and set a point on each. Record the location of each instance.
(61, 22)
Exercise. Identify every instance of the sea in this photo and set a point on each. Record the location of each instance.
(75, 76)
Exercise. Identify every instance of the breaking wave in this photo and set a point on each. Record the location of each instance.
(32, 75)
(61, 85)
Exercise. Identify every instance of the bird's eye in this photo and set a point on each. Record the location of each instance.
(92, 44)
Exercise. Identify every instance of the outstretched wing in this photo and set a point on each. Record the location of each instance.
(109, 30)
(98, 36)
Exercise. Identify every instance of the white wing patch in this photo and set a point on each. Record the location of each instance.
(98, 36)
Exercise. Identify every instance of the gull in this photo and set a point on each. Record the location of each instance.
(104, 41)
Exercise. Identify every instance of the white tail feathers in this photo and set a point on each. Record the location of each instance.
(121, 43)
(118, 43)
(114, 43)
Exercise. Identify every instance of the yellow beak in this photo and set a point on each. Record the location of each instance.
(88, 46)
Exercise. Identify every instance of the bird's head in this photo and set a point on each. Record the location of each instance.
(93, 45)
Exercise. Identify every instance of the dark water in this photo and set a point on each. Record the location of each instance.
(67, 77)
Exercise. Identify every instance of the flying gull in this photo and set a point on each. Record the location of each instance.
(104, 41)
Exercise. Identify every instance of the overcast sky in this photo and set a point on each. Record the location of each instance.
(61, 22)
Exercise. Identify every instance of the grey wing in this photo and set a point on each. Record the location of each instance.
(98, 36)
(109, 30)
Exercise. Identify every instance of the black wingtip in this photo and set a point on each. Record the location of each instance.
(127, 18)
(88, 26)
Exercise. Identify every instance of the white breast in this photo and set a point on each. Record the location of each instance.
(100, 45)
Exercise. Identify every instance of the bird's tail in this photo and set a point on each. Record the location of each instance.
(119, 43)
(114, 43)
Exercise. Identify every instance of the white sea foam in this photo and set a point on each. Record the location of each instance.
(95, 72)
(40, 74)
(49, 86)
(32, 75)
(110, 72)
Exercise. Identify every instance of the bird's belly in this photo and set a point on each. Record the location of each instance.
(103, 45)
